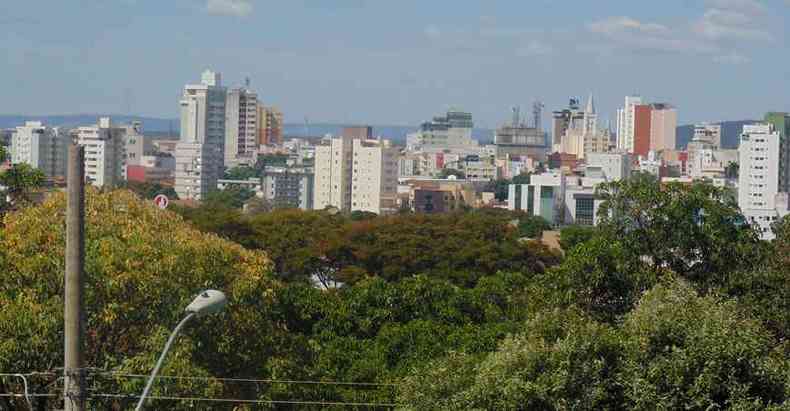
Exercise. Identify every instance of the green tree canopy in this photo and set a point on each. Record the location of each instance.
(20, 180)
(694, 230)
(241, 173)
(143, 265)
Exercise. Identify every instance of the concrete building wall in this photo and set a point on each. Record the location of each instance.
(241, 127)
(758, 182)
(663, 127)
(642, 126)
(41, 147)
(374, 176)
(200, 151)
(105, 152)
(625, 123)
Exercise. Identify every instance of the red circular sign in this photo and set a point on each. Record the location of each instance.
(161, 201)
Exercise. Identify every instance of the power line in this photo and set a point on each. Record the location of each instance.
(292, 402)
(251, 380)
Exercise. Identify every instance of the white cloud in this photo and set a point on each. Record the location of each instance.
(618, 25)
(631, 33)
(735, 23)
(731, 58)
(236, 8)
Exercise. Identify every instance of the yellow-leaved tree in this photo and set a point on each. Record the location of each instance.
(143, 266)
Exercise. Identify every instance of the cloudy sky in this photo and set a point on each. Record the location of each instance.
(397, 61)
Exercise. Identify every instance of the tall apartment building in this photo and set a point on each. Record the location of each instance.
(41, 147)
(105, 152)
(137, 146)
(355, 174)
(452, 131)
(781, 123)
(663, 126)
(642, 126)
(241, 127)
(333, 173)
(199, 152)
(270, 129)
(625, 123)
(289, 187)
(758, 182)
(374, 177)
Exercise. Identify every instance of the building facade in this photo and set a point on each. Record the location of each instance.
(452, 131)
(289, 187)
(663, 127)
(781, 123)
(42, 147)
(626, 118)
(200, 151)
(333, 169)
(241, 127)
(105, 152)
(374, 176)
(270, 129)
(758, 182)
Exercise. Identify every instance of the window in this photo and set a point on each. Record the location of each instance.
(585, 211)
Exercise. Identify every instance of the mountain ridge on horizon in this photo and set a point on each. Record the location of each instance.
(731, 129)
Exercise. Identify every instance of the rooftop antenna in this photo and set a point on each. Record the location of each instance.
(246, 82)
(306, 127)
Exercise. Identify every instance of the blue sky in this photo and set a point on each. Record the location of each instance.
(397, 61)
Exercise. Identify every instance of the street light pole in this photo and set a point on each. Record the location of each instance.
(209, 301)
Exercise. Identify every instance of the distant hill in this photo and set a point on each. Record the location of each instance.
(149, 123)
(163, 126)
(394, 133)
(730, 134)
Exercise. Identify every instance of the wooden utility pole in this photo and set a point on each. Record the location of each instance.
(73, 313)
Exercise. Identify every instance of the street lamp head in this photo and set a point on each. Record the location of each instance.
(207, 302)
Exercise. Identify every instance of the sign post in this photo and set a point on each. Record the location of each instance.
(161, 201)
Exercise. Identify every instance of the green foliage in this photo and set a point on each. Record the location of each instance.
(358, 215)
(531, 226)
(143, 266)
(686, 351)
(20, 180)
(241, 173)
(447, 172)
(563, 360)
(233, 196)
(150, 190)
(3, 154)
(266, 160)
(573, 235)
(598, 276)
(691, 230)
(500, 186)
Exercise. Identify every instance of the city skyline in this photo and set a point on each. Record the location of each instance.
(358, 61)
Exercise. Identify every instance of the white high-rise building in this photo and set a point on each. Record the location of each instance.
(199, 153)
(625, 123)
(332, 182)
(354, 174)
(374, 182)
(42, 147)
(241, 127)
(105, 152)
(758, 182)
